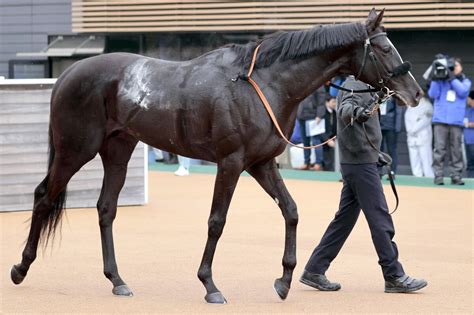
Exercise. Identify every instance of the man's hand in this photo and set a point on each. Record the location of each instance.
(451, 75)
(317, 119)
(362, 115)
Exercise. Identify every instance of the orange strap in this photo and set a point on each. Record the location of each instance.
(269, 109)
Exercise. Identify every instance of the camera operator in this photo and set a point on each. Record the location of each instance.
(450, 96)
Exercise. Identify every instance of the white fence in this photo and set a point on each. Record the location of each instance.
(24, 120)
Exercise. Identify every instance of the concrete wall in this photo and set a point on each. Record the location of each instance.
(24, 121)
(25, 25)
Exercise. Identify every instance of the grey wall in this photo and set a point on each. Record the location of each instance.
(24, 121)
(25, 25)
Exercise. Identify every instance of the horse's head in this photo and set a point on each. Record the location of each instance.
(381, 66)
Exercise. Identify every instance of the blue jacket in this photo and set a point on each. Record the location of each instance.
(447, 112)
(469, 132)
(337, 81)
(296, 135)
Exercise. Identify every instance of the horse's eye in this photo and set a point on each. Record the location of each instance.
(387, 49)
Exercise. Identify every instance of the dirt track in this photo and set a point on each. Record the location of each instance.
(159, 247)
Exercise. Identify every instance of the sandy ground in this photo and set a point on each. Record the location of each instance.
(159, 247)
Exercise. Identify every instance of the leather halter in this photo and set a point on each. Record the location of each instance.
(384, 75)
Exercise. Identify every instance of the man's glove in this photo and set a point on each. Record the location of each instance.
(362, 114)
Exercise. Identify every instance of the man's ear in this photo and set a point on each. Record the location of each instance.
(374, 20)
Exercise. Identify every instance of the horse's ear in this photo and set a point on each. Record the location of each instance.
(372, 15)
(378, 22)
(374, 20)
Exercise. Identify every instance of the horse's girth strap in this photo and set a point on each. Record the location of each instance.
(269, 109)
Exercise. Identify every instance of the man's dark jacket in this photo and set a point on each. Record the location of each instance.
(353, 145)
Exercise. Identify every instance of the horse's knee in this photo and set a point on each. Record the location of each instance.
(216, 226)
(291, 214)
(106, 215)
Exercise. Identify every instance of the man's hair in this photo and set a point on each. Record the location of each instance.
(471, 94)
(458, 60)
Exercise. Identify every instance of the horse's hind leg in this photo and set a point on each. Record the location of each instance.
(269, 178)
(115, 153)
(228, 172)
(47, 209)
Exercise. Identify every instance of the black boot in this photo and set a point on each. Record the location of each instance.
(319, 282)
(404, 284)
(457, 181)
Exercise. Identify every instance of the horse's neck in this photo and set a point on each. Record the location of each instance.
(291, 82)
(303, 78)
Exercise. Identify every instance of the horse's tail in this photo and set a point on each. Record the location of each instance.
(52, 218)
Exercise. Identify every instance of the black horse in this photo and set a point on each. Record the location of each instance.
(105, 104)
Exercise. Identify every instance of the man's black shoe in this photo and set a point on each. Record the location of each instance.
(438, 181)
(457, 181)
(318, 281)
(404, 284)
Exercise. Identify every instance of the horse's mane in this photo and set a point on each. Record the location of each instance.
(298, 44)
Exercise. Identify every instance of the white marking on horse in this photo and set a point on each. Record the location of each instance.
(400, 57)
(135, 85)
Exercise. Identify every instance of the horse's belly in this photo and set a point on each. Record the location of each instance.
(181, 132)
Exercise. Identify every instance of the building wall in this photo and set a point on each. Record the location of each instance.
(91, 16)
(25, 25)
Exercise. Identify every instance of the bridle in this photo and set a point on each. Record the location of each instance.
(369, 51)
(383, 75)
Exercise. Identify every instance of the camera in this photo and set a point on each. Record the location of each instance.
(440, 68)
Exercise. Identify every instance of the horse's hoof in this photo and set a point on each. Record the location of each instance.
(16, 276)
(281, 289)
(122, 290)
(215, 298)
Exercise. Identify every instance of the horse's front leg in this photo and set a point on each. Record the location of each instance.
(115, 154)
(268, 176)
(228, 172)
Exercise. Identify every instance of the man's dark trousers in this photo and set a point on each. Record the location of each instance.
(389, 145)
(362, 189)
